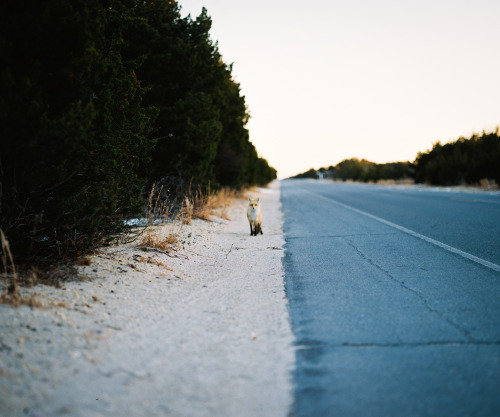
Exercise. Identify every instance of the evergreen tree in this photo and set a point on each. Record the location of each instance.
(73, 127)
(98, 96)
(178, 72)
(463, 161)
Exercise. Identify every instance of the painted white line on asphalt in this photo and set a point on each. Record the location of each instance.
(442, 245)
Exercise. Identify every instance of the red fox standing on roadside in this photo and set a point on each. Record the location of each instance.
(254, 215)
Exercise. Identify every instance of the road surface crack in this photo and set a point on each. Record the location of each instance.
(112, 373)
(455, 325)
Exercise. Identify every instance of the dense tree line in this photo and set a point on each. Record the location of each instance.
(361, 170)
(464, 161)
(99, 98)
(311, 173)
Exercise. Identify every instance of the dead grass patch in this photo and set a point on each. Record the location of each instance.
(84, 261)
(63, 304)
(224, 214)
(152, 261)
(204, 205)
(488, 183)
(19, 282)
(402, 181)
(187, 208)
(154, 238)
(165, 220)
(12, 294)
(163, 226)
(32, 300)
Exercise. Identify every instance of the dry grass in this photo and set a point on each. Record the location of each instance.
(152, 261)
(223, 214)
(196, 205)
(85, 260)
(220, 201)
(205, 205)
(154, 238)
(403, 181)
(20, 282)
(28, 278)
(163, 226)
(187, 208)
(32, 301)
(12, 295)
(488, 183)
(164, 223)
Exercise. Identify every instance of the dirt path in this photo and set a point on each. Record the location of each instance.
(208, 337)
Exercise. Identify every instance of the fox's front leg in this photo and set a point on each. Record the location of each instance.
(251, 230)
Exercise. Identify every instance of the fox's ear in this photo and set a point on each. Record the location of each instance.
(249, 200)
(258, 199)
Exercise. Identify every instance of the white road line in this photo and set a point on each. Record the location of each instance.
(442, 245)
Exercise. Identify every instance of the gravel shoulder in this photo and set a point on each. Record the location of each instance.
(201, 331)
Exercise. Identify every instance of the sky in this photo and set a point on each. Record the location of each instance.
(326, 80)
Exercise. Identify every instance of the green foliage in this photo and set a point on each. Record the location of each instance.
(179, 70)
(201, 126)
(465, 161)
(73, 127)
(312, 173)
(98, 97)
(361, 170)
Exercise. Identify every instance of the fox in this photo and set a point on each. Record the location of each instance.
(254, 215)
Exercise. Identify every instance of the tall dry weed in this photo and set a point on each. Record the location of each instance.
(187, 211)
(12, 293)
(163, 224)
(204, 205)
(165, 220)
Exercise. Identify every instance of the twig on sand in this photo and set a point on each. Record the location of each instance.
(230, 249)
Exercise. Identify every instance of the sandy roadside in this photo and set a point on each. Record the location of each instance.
(205, 334)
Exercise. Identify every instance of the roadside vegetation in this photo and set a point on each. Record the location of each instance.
(165, 218)
(471, 161)
(159, 230)
(101, 99)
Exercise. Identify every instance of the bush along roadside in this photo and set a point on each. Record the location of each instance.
(98, 101)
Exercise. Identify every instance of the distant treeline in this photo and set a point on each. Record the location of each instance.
(465, 161)
(100, 98)
(360, 170)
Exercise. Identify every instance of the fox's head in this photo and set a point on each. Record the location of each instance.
(253, 202)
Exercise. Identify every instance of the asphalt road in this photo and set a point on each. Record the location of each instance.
(394, 300)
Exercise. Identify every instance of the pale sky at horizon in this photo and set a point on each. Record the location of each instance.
(381, 80)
